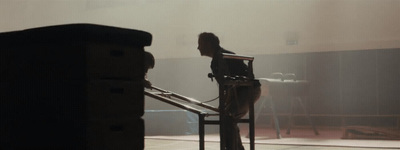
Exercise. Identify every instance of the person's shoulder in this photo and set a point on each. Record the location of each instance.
(227, 51)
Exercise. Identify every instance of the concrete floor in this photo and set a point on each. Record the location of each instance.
(299, 139)
(162, 144)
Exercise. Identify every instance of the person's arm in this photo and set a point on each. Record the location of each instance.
(146, 82)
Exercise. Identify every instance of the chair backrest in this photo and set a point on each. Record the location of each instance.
(250, 59)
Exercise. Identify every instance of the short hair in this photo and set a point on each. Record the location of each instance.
(210, 38)
(148, 60)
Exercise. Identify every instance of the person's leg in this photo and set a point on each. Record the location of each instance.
(230, 133)
(244, 96)
(238, 139)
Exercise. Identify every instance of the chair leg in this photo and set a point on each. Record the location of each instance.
(251, 125)
(259, 111)
(308, 116)
(222, 116)
(201, 132)
(276, 121)
(290, 116)
(257, 114)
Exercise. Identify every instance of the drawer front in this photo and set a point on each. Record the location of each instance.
(116, 134)
(73, 61)
(115, 99)
(105, 61)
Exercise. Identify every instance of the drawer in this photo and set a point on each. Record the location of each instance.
(77, 61)
(107, 61)
(115, 99)
(115, 134)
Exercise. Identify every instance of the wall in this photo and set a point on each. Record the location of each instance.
(251, 27)
(346, 87)
(263, 28)
(351, 84)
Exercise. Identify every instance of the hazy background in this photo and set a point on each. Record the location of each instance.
(270, 30)
(247, 27)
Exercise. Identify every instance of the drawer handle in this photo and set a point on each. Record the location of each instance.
(117, 53)
(116, 128)
(117, 90)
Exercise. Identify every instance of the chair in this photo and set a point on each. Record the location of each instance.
(228, 81)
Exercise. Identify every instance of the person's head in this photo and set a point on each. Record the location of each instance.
(208, 44)
(148, 61)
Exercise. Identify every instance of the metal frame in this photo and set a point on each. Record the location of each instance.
(226, 82)
(178, 101)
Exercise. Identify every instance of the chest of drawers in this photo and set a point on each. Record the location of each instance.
(75, 86)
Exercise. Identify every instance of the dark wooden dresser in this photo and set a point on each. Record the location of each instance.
(73, 86)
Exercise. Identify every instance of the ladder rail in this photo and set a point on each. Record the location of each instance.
(186, 99)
